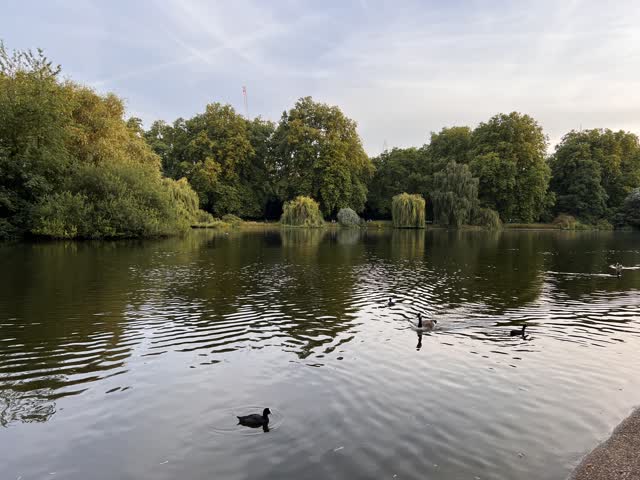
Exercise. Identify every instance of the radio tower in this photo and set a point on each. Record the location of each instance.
(246, 102)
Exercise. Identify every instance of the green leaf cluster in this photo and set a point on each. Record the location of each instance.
(302, 212)
(408, 211)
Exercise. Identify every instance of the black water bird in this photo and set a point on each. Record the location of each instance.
(391, 302)
(518, 333)
(426, 325)
(255, 420)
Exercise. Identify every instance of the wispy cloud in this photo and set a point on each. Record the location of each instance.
(400, 69)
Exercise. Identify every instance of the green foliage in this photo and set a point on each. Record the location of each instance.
(632, 208)
(508, 157)
(454, 195)
(594, 171)
(487, 218)
(568, 222)
(451, 144)
(318, 153)
(203, 217)
(232, 220)
(302, 212)
(396, 171)
(348, 218)
(408, 211)
(112, 200)
(70, 166)
(34, 111)
(603, 224)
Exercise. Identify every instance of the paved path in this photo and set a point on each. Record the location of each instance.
(616, 459)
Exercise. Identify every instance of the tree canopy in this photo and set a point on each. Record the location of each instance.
(455, 195)
(71, 166)
(318, 153)
(508, 156)
(594, 171)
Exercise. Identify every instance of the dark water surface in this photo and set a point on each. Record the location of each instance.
(130, 360)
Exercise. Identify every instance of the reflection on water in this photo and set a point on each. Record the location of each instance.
(120, 341)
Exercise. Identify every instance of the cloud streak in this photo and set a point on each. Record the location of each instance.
(400, 69)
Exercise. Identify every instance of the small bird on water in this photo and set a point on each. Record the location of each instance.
(618, 268)
(426, 325)
(391, 302)
(255, 420)
(518, 333)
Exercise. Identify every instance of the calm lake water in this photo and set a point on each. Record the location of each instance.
(129, 360)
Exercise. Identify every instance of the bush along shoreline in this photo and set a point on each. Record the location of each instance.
(73, 166)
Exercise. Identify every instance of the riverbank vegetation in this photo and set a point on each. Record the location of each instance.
(408, 211)
(72, 166)
(302, 212)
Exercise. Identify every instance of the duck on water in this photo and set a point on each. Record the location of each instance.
(518, 333)
(255, 420)
(425, 326)
(618, 269)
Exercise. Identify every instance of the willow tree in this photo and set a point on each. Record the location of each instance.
(408, 211)
(318, 153)
(302, 212)
(455, 195)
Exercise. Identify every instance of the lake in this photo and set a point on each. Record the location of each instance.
(130, 359)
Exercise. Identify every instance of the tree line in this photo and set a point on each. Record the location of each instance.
(72, 166)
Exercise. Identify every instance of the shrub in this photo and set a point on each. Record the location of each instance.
(348, 218)
(232, 220)
(487, 218)
(632, 208)
(568, 222)
(203, 217)
(603, 224)
(565, 222)
(302, 212)
(118, 200)
(408, 211)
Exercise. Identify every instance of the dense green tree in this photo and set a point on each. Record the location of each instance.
(594, 171)
(632, 208)
(224, 156)
(450, 144)
(70, 166)
(576, 180)
(318, 153)
(455, 195)
(396, 171)
(508, 156)
(34, 110)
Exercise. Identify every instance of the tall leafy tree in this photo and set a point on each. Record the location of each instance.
(213, 150)
(70, 166)
(318, 153)
(396, 171)
(454, 194)
(508, 156)
(577, 180)
(34, 110)
(594, 171)
(450, 144)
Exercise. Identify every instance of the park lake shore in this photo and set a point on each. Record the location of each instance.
(616, 458)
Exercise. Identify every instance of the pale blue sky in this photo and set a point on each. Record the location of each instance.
(400, 69)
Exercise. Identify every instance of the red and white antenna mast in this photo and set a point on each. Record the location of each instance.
(246, 102)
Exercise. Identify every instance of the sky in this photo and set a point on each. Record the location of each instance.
(400, 69)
